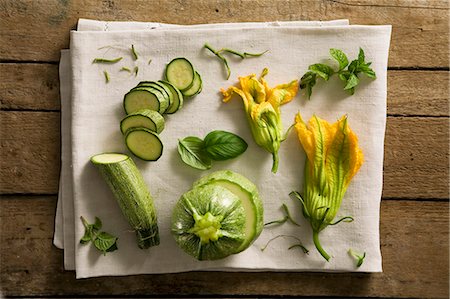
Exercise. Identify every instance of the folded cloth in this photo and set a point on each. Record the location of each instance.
(63, 237)
(96, 112)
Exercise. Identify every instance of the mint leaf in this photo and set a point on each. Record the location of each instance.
(222, 145)
(322, 70)
(340, 57)
(352, 81)
(191, 150)
(353, 66)
(361, 56)
(105, 242)
(307, 82)
(98, 224)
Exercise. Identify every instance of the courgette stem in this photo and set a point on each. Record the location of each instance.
(319, 246)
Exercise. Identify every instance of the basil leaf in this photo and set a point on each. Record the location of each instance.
(322, 70)
(361, 56)
(222, 145)
(340, 57)
(191, 150)
(105, 242)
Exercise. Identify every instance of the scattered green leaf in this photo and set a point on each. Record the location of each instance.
(359, 257)
(348, 73)
(103, 241)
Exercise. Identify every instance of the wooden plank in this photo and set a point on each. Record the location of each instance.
(416, 155)
(415, 260)
(30, 151)
(420, 28)
(36, 87)
(29, 86)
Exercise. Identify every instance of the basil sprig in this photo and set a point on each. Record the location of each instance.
(103, 241)
(347, 72)
(217, 146)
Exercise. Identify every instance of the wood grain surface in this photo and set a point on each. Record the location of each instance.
(32, 263)
(414, 222)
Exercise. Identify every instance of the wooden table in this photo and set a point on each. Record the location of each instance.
(414, 210)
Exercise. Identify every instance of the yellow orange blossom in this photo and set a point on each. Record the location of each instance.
(262, 107)
(333, 159)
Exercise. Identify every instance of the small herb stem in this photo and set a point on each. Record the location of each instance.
(124, 68)
(104, 60)
(319, 246)
(106, 76)
(134, 53)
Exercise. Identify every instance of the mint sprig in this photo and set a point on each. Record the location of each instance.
(347, 72)
(103, 241)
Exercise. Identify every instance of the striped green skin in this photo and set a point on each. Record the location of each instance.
(132, 195)
(146, 118)
(148, 98)
(248, 194)
(220, 203)
(177, 103)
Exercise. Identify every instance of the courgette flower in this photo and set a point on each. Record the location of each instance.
(262, 107)
(333, 159)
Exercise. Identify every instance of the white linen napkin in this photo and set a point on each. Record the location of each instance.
(97, 112)
(64, 234)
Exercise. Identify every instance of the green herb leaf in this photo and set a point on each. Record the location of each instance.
(104, 60)
(361, 56)
(359, 257)
(322, 70)
(191, 150)
(222, 145)
(351, 83)
(98, 224)
(105, 242)
(353, 66)
(340, 57)
(307, 82)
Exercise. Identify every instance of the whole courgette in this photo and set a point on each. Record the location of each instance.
(132, 195)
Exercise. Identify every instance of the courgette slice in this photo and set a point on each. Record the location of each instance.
(177, 97)
(158, 86)
(132, 195)
(196, 87)
(144, 98)
(144, 144)
(180, 73)
(145, 118)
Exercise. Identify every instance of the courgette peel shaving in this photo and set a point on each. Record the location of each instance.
(262, 107)
(333, 159)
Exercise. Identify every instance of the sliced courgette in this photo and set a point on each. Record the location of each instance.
(177, 97)
(132, 195)
(144, 144)
(144, 98)
(158, 86)
(196, 87)
(145, 118)
(180, 73)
